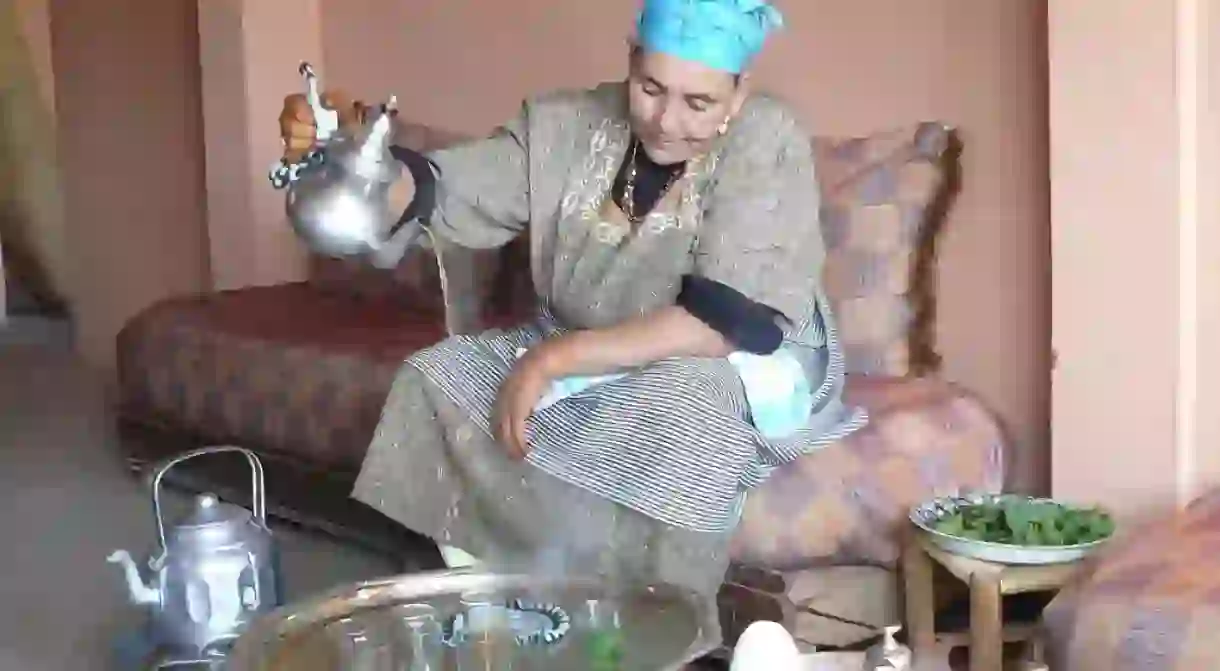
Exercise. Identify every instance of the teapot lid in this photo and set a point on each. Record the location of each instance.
(209, 511)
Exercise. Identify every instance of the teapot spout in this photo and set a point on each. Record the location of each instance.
(139, 593)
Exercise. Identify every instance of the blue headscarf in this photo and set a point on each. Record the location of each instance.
(722, 34)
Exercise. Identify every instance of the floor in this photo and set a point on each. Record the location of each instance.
(66, 501)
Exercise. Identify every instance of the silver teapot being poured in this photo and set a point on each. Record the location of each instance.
(337, 195)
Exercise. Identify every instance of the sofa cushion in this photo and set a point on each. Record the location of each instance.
(1151, 601)
(846, 503)
(883, 198)
(286, 369)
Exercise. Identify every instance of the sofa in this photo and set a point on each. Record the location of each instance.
(298, 373)
(1151, 600)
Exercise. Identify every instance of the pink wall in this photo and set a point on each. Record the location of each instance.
(1136, 142)
(249, 52)
(127, 101)
(1135, 157)
(851, 67)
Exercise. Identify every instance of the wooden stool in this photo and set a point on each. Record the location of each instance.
(989, 583)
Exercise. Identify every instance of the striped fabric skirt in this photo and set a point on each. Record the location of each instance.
(639, 479)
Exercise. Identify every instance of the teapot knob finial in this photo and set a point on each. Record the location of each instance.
(326, 121)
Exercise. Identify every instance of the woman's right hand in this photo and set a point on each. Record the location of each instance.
(298, 127)
(299, 131)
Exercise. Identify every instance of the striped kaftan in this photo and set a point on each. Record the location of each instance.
(642, 478)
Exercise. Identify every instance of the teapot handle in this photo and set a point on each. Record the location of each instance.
(257, 493)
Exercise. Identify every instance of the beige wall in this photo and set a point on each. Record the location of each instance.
(31, 214)
(1135, 157)
(34, 18)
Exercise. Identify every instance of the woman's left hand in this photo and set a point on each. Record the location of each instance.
(518, 395)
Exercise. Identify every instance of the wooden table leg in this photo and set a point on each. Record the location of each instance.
(986, 625)
(919, 597)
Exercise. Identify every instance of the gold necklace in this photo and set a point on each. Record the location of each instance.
(629, 186)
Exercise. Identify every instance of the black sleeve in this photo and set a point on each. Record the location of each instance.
(749, 325)
(424, 173)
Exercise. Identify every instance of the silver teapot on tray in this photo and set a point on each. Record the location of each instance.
(337, 195)
(214, 570)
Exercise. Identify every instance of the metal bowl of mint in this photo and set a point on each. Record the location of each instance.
(1013, 529)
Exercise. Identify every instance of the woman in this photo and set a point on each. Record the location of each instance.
(673, 222)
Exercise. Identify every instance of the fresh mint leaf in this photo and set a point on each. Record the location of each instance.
(1016, 521)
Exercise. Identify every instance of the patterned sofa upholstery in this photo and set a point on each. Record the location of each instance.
(1152, 601)
(299, 371)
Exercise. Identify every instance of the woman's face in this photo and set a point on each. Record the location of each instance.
(677, 107)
